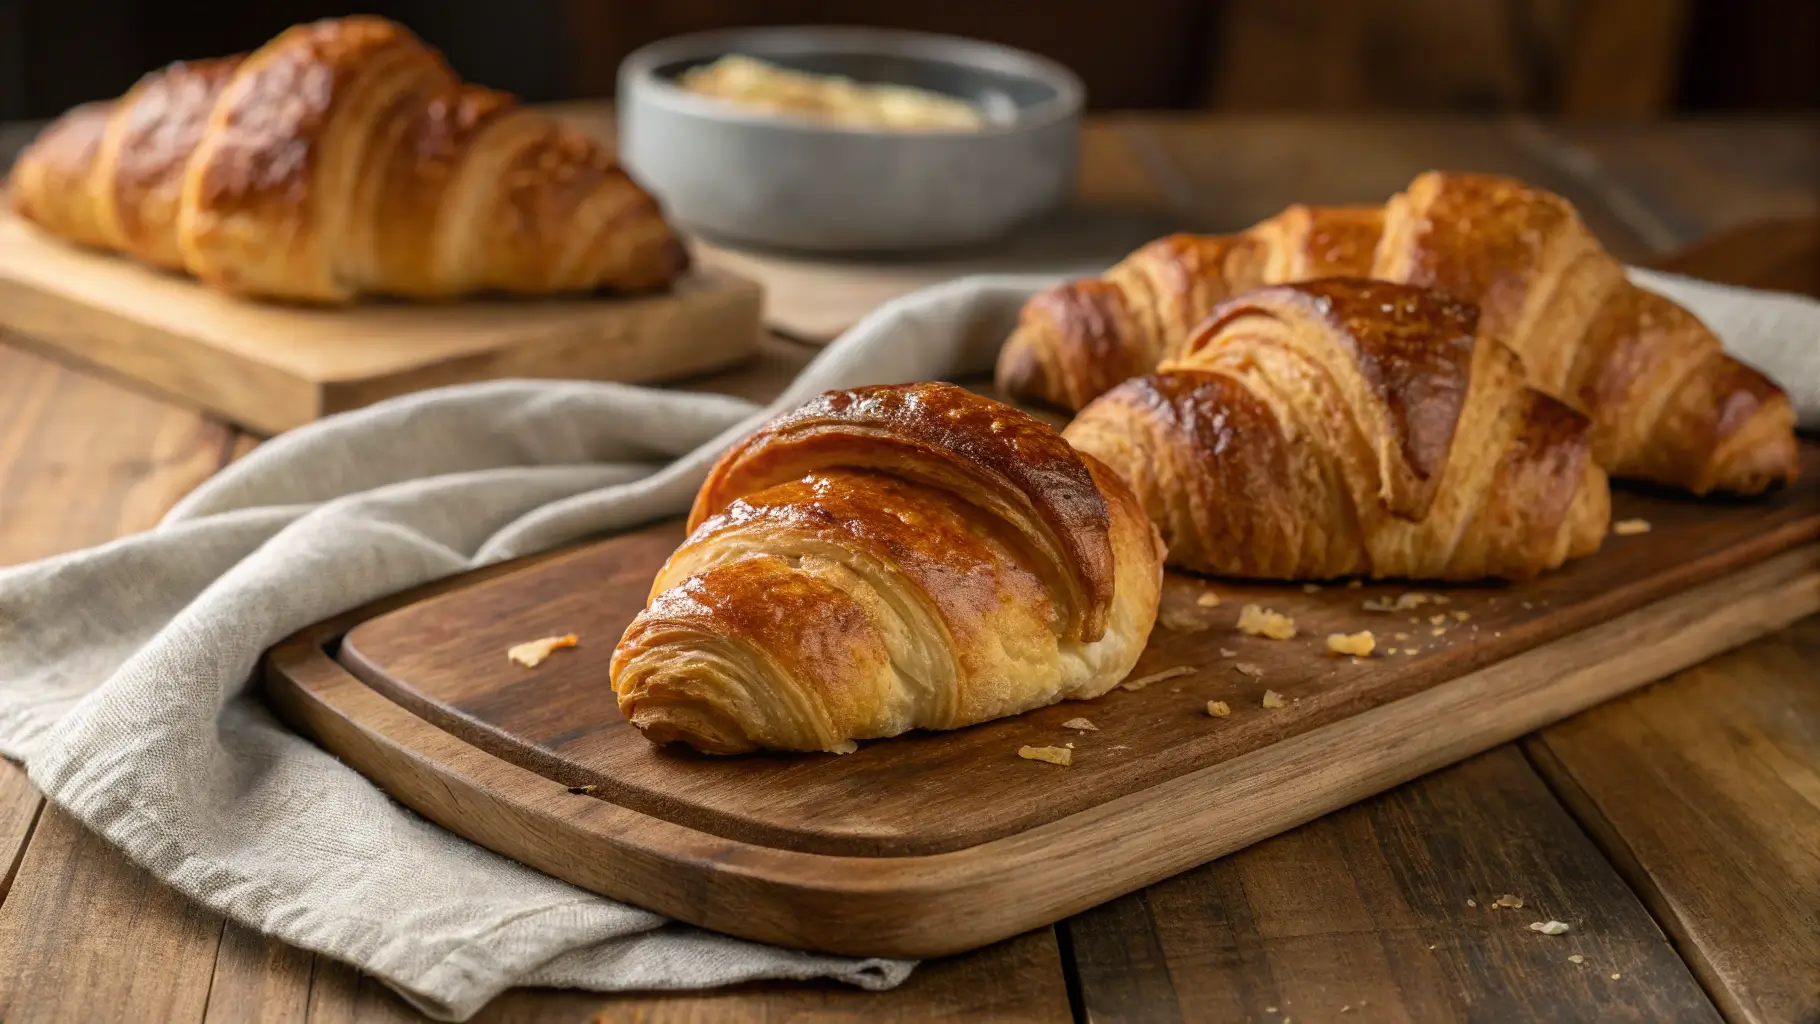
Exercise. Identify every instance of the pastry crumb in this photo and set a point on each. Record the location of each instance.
(1409, 650)
(1507, 900)
(533, 653)
(1630, 527)
(1156, 677)
(1264, 622)
(1576, 959)
(1550, 927)
(1472, 902)
(1227, 652)
(1208, 599)
(1358, 644)
(1054, 755)
(1436, 620)
(1462, 616)
(1080, 723)
(844, 747)
(1615, 977)
(1399, 636)
(1437, 631)
(1218, 708)
(1181, 621)
(1273, 699)
(1247, 668)
(1311, 588)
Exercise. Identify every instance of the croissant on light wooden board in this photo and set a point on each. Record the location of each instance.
(1667, 404)
(886, 559)
(1351, 427)
(341, 159)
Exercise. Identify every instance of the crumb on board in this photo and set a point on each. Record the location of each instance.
(1219, 708)
(1358, 644)
(533, 653)
(1507, 900)
(1227, 652)
(1462, 616)
(1550, 927)
(1182, 621)
(1156, 677)
(1437, 631)
(844, 747)
(1576, 959)
(1273, 699)
(1311, 588)
(1472, 902)
(1080, 723)
(1404, 602)
(1615, 977)
(1208, 599)
(1054, 755)
(1436, 620)
(1630, 527)
(1409, 650)
(1399, 636)
(1248, 669)
(1259, 621)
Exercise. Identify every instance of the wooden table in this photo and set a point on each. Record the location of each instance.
(1680, 824)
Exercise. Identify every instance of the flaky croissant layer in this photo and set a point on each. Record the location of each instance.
(1347, 427)
(900, 577)
(344, 158)
(1667, 404)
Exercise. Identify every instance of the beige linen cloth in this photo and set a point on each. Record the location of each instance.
(124, 669)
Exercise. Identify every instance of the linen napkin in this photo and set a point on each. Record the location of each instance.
(124, 668)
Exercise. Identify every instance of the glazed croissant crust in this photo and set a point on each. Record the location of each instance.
(344, 158)
(887, 559)
(1667, 404)
(1350, 427)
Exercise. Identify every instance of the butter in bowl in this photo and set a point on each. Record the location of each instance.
(848, 139)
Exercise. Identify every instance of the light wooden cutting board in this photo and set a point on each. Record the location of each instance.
(272, 366)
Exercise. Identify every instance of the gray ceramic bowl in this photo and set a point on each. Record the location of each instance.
(795, 183)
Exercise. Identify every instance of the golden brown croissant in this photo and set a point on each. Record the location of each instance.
(1350, 427)
(887, 559)
(344, 158)
(1667, 404)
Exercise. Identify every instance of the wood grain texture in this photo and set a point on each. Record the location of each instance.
(443, 659)
(272, 366)
(1704, 176)
(83, 460)
(1364, 915)
(1705, 791)
(20, 805)
(257, 980)
(87, 936)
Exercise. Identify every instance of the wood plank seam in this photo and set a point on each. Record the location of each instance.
(1624, 860)
(18, 858)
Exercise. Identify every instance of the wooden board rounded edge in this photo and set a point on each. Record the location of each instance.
(945, 903)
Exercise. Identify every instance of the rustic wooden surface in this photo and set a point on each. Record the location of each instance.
(83, 459)
(271, 366)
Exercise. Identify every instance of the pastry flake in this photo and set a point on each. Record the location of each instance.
(533, 653)
(1359, 644)
(1053, 755)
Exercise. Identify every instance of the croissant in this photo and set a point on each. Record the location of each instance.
(887, 559)
(1667, 404)
(1346, 427)
(341, 159)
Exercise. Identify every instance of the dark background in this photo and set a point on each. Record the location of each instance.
(1565, 57)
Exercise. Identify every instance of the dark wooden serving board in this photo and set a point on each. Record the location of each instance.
(936, 842)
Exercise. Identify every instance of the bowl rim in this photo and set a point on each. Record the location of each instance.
(639, 69)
